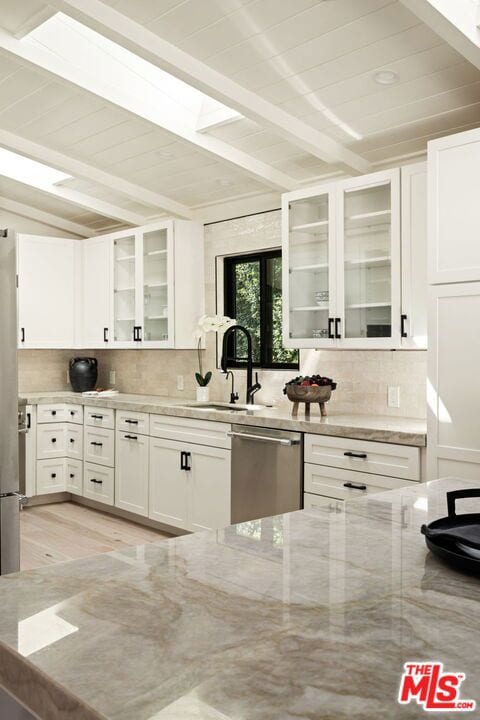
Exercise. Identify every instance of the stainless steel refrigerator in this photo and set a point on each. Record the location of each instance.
(12, 416)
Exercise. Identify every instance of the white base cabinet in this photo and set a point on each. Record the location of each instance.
(189, 485)
(131, 472)
(98, 483)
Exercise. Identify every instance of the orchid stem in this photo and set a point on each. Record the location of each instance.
(199, 353)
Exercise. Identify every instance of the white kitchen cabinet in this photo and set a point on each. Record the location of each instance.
(99, 446)
(97, 276)
(49, 294)
(98, 483)
(453, 208)
(51, 441)
(131, 472)
(320, 502)
(99, 417)
(209, 488)
(74, 476)
(50, 476)
(168, 483)
(189, 485)
(341, 264)
(74, 441)
(453, 389)
(414, 256)
(157, 286)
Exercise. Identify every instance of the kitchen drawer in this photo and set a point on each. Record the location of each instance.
(51, 441)
(75, 414)
(54, 413)
(322, 502)
(50, 476)
(345, 484)
(98, 483)
(100, 417)
(400, 461)
(99, 446)
(189, 430)
(135, 422)
(74, 441)
(74, 476)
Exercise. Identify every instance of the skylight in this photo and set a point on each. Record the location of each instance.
(121, 70)
(22, 169)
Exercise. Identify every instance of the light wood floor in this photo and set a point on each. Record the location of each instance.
(67, 531)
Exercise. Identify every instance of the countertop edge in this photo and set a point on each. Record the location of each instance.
(314, 426)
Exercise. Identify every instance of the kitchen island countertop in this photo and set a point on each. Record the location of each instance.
(398, 430)
(307, 615)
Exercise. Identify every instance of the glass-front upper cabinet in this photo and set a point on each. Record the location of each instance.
(341, 264)
(156, 288)
(308, 270)
(369, 261)
(124, 288)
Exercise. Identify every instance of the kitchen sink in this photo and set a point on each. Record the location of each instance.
(222, 407)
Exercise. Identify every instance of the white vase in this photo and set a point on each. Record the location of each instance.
(203, 394)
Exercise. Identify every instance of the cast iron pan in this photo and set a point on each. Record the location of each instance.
(456, 538)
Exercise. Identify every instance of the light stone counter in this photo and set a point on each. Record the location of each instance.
(309, 615)
(402, 431)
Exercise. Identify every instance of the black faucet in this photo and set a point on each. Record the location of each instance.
(233, 394)
(251, 388)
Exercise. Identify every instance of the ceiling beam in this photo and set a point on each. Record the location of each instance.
(87, 202)
(49, 63)
(44, 217)
(455, 21)
(80, 169)
(137, 38)
(33, 21)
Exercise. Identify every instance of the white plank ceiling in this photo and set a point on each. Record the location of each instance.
(311, 58)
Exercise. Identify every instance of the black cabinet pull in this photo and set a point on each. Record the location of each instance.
(54, 475)
(97, 482)
(97, 444)
(54, 412)
(137, 329)
(337, 333)
(105, 334)
(97, 417)
(361, 456)
(72, 412)
(182, 459)
(54, 440)
(187, 458)
(29, 421)
(131, 437)
(331, 336)
(354, 486)
(22, 334)
(403, 319)
(131, 422)
(72, 475)
(72, 440)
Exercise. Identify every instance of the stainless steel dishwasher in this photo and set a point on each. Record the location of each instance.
(267, 472)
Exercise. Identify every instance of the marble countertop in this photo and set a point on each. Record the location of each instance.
(308, 615)
(402, 431)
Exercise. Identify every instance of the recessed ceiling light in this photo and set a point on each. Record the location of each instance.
(385, 77)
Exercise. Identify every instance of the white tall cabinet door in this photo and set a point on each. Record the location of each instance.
(414, 256)
(131, 472)
(368, 261)
(453, 386)
(97, 292)
(47, 291)
(308, 264)
(209, 491)
(168, 483)
(453, 208)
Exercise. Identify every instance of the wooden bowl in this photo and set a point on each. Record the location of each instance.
(308, 394)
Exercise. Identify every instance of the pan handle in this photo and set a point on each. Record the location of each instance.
(455, 495)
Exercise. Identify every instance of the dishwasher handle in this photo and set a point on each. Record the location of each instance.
(264, 438)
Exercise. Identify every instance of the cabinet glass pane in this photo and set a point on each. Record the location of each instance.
(124, 286)
(308, 268)
(155, 286)
(367, 247)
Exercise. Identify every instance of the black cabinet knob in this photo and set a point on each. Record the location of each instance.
(72, 475)
(54, 412)
(54, 475)
(54, 440)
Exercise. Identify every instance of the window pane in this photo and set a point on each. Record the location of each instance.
(247, 307)
(275, 352)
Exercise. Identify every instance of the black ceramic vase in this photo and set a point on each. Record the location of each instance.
(83, 373)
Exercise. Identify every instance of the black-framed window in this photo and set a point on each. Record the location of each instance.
(253, 296)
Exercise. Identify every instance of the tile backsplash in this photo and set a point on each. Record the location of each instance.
(363, 376)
